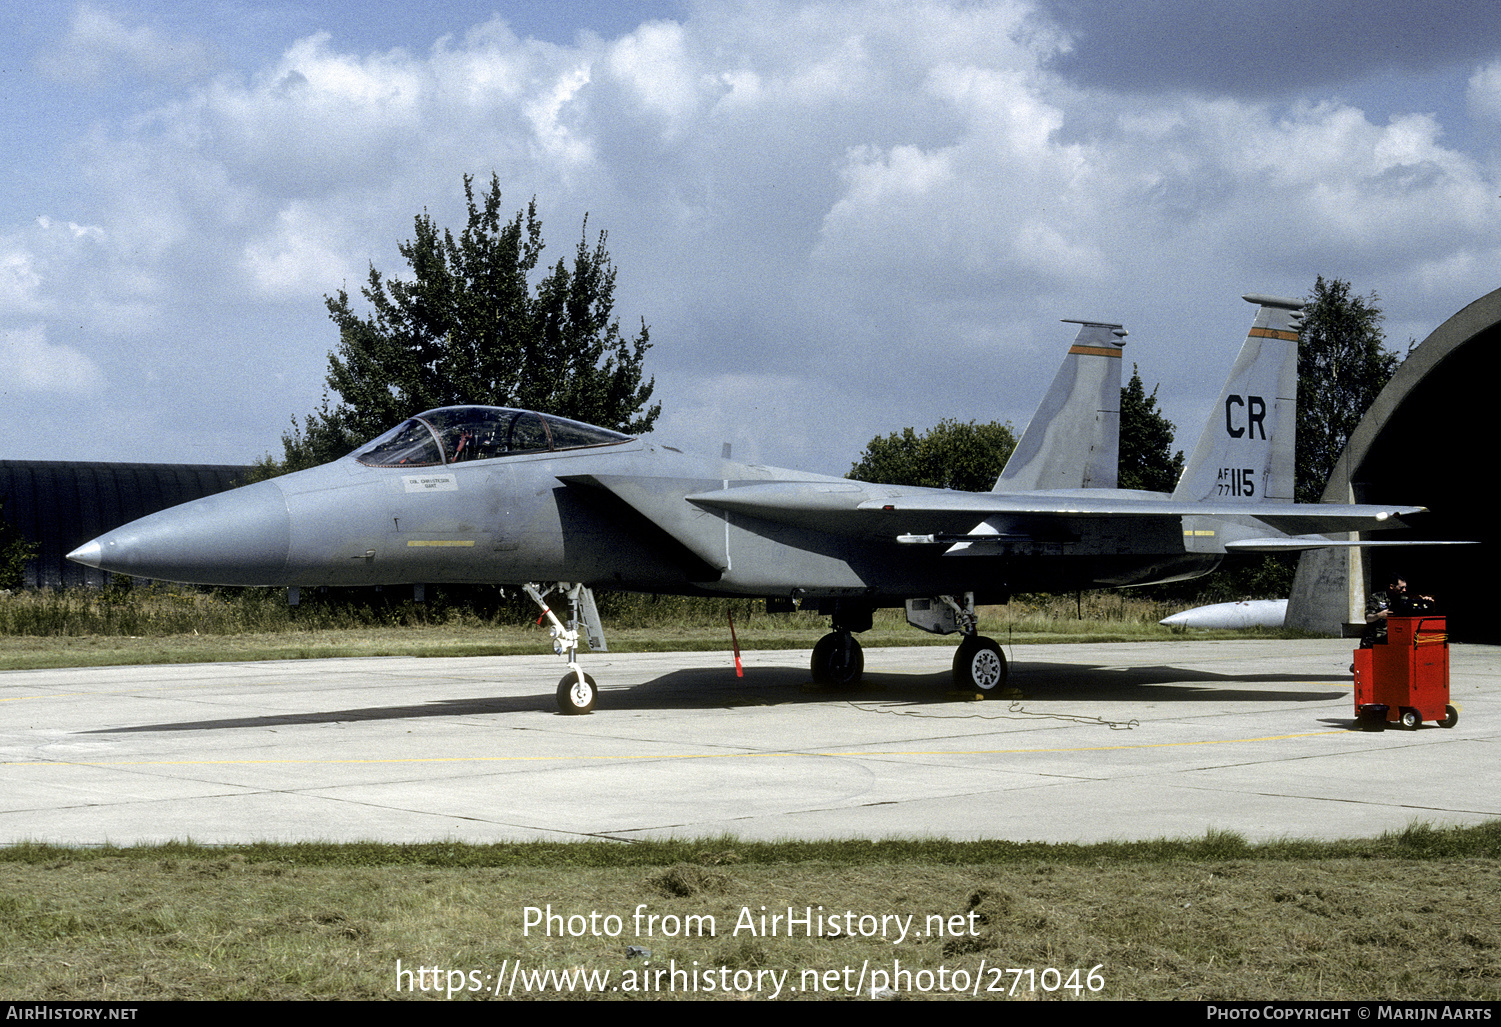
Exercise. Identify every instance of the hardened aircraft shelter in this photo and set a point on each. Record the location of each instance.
(1427, 439)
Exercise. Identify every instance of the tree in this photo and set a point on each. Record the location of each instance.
(1147, 460)
(15, 551)
(1342, 366)
(950, 455)
(469, 327)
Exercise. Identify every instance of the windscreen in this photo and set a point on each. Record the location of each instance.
(410, 445)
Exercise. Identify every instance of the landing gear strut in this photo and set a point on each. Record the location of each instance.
(577, 691)
(979, 664)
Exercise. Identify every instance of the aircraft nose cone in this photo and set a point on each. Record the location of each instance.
(239, 537)
(90, 553)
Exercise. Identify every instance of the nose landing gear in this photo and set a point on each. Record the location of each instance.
(577, 691)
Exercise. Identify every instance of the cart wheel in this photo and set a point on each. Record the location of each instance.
(1451, 717)
(1411, 720)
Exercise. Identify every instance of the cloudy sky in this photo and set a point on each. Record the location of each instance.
(839, 219)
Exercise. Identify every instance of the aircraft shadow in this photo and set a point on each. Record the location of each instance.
(441, 708)
(1071, 681)
(1037, 682)
(717, 688)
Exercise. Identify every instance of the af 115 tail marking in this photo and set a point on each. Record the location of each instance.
(1246, 451)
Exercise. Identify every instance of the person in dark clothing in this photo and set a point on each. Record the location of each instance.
(1392, 601)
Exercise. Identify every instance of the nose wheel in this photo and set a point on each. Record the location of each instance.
(576, 693)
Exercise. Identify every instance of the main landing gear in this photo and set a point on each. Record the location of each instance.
(838, 660)
(979, 665)
(577, 691)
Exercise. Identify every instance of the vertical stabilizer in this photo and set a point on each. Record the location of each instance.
(1246, 450)
(1073, 440)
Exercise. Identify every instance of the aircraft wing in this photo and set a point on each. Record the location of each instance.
(914, 512)
(690, 511)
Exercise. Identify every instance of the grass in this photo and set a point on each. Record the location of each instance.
(1415, 914)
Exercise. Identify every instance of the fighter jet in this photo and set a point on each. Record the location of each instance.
(475, 494)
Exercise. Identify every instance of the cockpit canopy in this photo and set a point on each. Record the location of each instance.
(453, 435)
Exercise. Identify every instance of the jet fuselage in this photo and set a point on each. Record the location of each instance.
(613, 515)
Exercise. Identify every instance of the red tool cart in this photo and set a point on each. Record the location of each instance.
(1407, 679)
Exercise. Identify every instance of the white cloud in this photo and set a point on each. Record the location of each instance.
(561, 143)
(318, 120)
(98, 45)
(19, 280)
(32, 261)
(1484, 92)
(33, 364)
(655, 63)
(303, 255)
(74, 229)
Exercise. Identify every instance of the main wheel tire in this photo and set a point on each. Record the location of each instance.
(838, 660)
(979, 666)
(1410, 719)
(575, 697)
(1451, 717)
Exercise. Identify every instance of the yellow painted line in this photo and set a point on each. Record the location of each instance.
(668, 756)
(442, 542)
(1095, 351)
(1272, 333)
(1201, 532)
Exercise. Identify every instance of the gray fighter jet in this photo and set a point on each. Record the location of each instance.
(476, 494)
